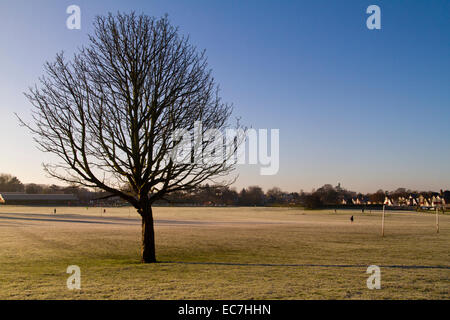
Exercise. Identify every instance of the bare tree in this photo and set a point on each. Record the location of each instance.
(109, 114)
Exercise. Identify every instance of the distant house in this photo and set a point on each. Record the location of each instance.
(411, 201)
(437, 201)
(424, 202)
(401, 201)
(38, 199)
(388, 201)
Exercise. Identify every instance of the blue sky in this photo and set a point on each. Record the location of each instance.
(367, 108)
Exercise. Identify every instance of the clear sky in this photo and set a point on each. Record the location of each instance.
(367, 108)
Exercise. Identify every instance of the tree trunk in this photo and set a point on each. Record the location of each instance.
(148, 236)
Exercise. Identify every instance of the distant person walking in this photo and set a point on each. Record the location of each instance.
(54, 211)
(351, 219)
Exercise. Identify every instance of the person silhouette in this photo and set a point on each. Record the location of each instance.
(351, 219)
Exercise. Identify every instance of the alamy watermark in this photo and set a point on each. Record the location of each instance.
(374, 280)
(73, 22)
(74, 280)
(228, 147)
(374, 20)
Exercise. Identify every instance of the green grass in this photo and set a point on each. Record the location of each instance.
(34, 255)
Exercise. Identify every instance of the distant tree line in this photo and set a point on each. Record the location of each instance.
(11, 184)
(328, 196)
(325, 196)
(8, 183)
(208, 195)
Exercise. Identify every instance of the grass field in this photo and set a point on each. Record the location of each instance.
(266, 253)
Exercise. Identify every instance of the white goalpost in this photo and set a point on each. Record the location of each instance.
(437, 219)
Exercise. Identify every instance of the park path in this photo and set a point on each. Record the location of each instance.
(28, 218)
